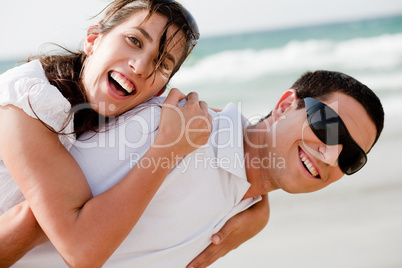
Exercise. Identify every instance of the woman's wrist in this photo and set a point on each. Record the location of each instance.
(160, 157)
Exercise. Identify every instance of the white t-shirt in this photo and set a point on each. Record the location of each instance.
(195, 200)
(27, 88)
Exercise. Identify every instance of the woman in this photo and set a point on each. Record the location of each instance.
(128, 58)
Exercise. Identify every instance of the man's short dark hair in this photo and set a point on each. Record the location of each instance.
(321, 83)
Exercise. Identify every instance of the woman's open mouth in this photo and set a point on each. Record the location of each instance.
(122, 86)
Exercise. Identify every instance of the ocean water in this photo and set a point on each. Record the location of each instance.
(255, 68)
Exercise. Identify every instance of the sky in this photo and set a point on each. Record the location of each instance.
(27, 24)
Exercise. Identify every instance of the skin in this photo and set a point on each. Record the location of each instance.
(277, 128)
(58, 193)
(282, 125)
(236, 231)
(277, 135)
(133, 57)
(130, 50)
(140, 42)
(25, 235)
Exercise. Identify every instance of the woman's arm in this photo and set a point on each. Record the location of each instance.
(236, 231)
(59, 195)
(19, 233)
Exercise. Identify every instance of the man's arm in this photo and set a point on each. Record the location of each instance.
(236, 231)
(19, 233)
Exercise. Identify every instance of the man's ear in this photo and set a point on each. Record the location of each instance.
(287, 102)
(90, 40)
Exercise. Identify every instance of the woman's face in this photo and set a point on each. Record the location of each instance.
(116, 76)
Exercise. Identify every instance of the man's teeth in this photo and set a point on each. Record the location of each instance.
(308, 164)
(123, 82)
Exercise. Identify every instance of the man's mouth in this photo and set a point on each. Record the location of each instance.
(307, 164)
(123, 86)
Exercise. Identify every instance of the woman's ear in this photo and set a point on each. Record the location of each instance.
(90, 40)
(287, 102)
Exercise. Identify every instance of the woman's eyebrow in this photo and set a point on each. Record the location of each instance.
(145, 33)
(149, 38)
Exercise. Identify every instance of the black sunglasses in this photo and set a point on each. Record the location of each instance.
(330, 129)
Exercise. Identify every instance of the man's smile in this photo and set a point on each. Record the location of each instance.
(307, 163)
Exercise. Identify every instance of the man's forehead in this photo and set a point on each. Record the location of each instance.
(355, 117)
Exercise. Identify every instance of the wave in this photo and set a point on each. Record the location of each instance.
(375, 57)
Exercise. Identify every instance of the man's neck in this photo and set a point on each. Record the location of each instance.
(255, 146)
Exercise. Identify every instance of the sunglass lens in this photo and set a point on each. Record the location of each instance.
(351, 159)
(330, 129)
(326, 126)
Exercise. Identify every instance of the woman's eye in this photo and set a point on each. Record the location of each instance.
(164, 69)
(165, 66)
(162, 65)
(135, 41)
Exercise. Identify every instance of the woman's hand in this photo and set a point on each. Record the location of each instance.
(236, 231)
(183, 129)
(58, 192)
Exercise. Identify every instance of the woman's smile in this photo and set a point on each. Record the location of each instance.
(121, 85)
(122, 71)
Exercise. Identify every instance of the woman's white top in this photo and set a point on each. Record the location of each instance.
(28, 88)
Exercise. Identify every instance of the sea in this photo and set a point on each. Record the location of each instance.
(356, 222)
(254, 68)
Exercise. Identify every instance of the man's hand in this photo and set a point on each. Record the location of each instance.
(236, 231)
(19, 233)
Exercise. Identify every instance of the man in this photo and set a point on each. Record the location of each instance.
(319, 130)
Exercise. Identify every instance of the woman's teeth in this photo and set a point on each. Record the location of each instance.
(123, 82)
(308, 164)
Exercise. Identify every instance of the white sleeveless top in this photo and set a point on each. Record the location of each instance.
(28, 88)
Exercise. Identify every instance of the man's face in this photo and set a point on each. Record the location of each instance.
(310, 164)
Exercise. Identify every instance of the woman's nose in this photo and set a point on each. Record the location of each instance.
(141, 66)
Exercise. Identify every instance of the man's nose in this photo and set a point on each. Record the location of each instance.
(330, 153)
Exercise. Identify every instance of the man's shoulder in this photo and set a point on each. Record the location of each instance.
(146, 110)
(232, 115)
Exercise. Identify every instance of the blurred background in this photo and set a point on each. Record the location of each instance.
(249, 53)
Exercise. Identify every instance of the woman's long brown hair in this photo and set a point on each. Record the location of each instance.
(64, 70)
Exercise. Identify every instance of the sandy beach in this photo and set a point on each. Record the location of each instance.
(356, 222)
